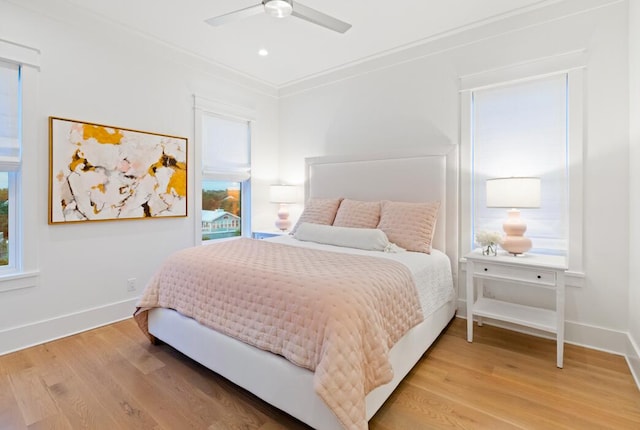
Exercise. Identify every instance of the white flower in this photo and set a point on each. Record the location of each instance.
(486, 238)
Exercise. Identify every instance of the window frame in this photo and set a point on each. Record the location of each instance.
(573, 65)
(202, 107)
(23, 216)
(554, 245)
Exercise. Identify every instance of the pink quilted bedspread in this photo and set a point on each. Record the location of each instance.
(332, 313)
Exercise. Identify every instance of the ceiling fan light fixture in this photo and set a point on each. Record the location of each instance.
(278, 8)
(281, 9)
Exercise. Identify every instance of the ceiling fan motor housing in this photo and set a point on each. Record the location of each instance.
(278, 8)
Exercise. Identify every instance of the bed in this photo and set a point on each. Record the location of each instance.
(293, 388)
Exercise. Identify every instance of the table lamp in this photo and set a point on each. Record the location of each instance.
(514, 193)
(283, 195)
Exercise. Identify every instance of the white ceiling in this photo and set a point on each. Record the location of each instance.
(299, 49)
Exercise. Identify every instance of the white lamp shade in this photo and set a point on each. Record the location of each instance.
(283, 194)
(513, 192)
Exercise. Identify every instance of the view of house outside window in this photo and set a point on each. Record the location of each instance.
(221, 209)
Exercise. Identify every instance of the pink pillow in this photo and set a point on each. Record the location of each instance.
(318, 211)
(409, 225)
(356, 214)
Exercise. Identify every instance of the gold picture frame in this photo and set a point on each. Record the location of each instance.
(99, 173)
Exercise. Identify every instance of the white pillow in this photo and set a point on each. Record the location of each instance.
(370, 239)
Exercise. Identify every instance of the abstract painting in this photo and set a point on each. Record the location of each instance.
(99, 172)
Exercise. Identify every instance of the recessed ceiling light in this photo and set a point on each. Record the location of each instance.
(263, 52)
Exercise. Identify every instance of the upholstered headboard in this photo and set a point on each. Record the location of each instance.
(410, 178)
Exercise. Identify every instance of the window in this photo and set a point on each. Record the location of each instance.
(19, 69)
(520, 129)
(9, 161)
(528, 116)
(224, 142)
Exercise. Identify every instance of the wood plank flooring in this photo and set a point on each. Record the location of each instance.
(112, 378)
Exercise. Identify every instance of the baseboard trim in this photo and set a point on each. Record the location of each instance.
(595, 337)
(633, 359)
(17, 338)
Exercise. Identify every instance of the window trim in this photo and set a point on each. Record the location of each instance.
(203, 106)
(25, 273)
(573, 65)
(13, 249)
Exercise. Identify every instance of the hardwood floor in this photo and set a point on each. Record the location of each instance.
(112, 378)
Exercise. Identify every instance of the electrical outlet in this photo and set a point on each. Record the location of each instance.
(131, 284)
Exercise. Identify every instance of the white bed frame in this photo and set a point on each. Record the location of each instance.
(408, 177)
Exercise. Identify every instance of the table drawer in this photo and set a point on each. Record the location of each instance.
(524, 274)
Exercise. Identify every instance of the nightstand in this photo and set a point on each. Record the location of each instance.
(266, 234)
(528, 270)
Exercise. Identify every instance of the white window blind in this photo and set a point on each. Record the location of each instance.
(225, 149)
(521, 130)
(9, 117)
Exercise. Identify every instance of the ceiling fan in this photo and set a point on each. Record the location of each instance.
(281, 9)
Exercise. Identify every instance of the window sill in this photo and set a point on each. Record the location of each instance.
(16, 281)
(222, 239)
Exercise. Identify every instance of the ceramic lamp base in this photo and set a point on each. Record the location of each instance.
(283, 223)
(514, 242)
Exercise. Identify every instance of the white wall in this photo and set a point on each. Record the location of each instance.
(634, 188)
(410, 100)
(94, 72)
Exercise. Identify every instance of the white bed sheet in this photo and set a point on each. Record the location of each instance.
(431, 272)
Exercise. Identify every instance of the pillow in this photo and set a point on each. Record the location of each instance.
(370, 239)
(318, 211)
(353, 213)
(409, 225)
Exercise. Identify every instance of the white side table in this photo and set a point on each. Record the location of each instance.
(528, 270)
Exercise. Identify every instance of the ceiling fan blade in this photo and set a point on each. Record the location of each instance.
(316, 17)
(238, 14)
